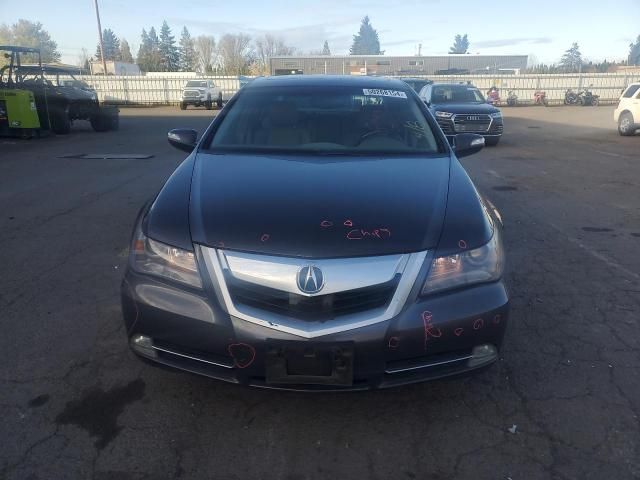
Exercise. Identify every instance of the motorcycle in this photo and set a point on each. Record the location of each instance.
(512, 98)
(493, 97)
(570, 97)
(586, 97)
(540, 98)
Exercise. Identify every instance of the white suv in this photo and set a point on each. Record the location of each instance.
(201, 92)
(628, 112)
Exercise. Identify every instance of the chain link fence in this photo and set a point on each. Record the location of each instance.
(166, 90)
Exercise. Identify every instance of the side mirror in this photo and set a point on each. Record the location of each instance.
(467, 144)
(183, 139)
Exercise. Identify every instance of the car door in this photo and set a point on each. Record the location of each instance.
(635, 107)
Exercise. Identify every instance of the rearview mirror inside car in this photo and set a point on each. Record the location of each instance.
(183, 139)
(466, 144)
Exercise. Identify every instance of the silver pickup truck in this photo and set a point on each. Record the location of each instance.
(201, 93)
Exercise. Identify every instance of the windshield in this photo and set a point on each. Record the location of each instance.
(197, 83)
(325, 120)
(456, 94)
(417, 85)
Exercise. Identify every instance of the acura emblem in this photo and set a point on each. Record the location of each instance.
(310, 279)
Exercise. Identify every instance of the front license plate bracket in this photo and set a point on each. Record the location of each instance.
(311, 364)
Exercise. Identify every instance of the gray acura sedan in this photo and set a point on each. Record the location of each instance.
(321, 235)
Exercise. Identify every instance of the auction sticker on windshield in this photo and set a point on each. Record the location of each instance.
(384, 93)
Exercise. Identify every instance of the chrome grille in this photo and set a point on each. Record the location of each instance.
(471, 123)
(358, 292)
(316, 308)
(191, 93)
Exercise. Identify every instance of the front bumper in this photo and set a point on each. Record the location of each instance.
(194, 100)
(433, 337)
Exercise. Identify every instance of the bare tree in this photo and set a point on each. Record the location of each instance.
(268, 46)
(205, 49)
(83, 58)
(236, 54)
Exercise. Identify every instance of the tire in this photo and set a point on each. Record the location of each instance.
(183, 106)
(626, 126)
(99, 122)
(580, 101)
(208, 104)
(114, 122)
(219, 101)
(595, 101)
(545, 102)
(59, 121)
(491, 141)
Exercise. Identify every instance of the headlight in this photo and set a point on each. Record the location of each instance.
(496, 115)
(155, 258)
(483, 264)
(444, 114)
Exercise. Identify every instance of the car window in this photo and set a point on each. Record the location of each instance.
(456, 94)
(197, 83)
(326, 119)
(631, 91)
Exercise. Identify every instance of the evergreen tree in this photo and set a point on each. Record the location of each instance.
(571, 61)
(634, 52)
(187, 53)
(154, 51)
(167, 49)
(144, 52)
(460, 45)
(111, 46)
(325, 49)
(366, 42)
(125, 52)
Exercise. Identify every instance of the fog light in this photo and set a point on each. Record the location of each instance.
(144, 346)
(482, 355)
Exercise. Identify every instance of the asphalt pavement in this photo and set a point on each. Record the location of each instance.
(562, 403)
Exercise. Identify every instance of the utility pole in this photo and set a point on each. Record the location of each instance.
(104, 62)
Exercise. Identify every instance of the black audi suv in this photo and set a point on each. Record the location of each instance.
(461, 108)
(321, 234)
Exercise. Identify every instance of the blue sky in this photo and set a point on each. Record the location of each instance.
(540, 28)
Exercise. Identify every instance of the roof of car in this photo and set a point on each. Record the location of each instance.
(15, 48)
(49, 69)
(324, 80)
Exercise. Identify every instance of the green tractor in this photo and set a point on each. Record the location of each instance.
(31, 103)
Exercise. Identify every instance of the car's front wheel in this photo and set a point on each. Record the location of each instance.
(208, 103)
(626, 125)
(183, 106)
(219, 101)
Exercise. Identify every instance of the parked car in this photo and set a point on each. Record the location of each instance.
(461, 108)
(627, 115)
(321, 234)
(416, 83)
(202, 92)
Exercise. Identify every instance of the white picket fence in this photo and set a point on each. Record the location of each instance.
(166, 90)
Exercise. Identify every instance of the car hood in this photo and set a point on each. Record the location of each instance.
(465, 108)
(318, 207)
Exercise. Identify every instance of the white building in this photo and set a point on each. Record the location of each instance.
(115, 68)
